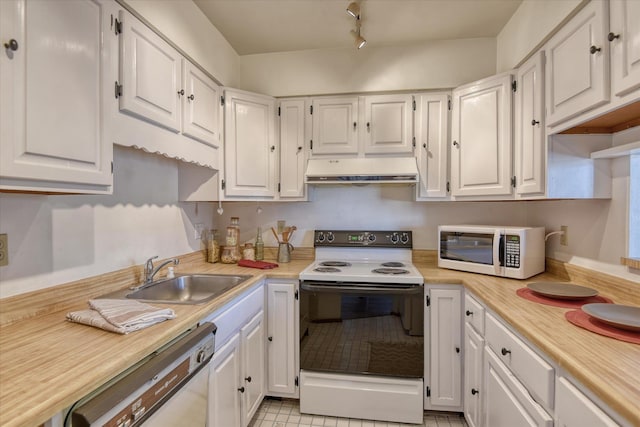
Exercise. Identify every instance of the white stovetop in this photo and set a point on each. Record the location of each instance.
(363, 261)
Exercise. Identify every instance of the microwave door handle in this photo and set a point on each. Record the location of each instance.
(497, 252)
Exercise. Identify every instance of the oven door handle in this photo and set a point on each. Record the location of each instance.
(346, 289)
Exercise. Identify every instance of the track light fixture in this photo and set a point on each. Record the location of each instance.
(354, 10)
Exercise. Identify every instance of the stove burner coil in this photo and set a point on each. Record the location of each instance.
(392, 264)
(327, 270)
(390, 271)
(335, 264)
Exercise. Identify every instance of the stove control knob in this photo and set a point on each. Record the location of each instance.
(404, 238)
(320, 237)
(395, 238)
(372, 238)
(201, 356)
(330, 237)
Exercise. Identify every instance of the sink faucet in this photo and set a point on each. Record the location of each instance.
(150, 271)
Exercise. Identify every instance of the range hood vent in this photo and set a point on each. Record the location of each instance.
(378, 170)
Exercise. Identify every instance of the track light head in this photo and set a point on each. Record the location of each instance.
(353, 9)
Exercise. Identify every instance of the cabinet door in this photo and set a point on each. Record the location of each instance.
(432, 137)
(481, 134)
(574, 409)
(292, 152)
(529, 141)
(282, 321)
(250, 151)
(224, 386)
(473, 347)
(444, 364)
(625, 45)
(252, 338)
(150, 75)
(201, 106)
(506, 402)
(335, 126)
(55, 95)
(388, 124)
(578, 64)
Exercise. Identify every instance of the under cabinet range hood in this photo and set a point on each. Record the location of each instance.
(378, 170)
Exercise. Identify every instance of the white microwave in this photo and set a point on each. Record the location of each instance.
(515, 252)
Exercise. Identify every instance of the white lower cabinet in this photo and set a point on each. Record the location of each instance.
(237, 375)
(508, 383)
(574, 409)
(506, 401)
(473, 349)
(282, 338)
(443, 352)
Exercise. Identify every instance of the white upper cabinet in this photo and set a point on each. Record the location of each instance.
(250, 151)
(432, 138)
(625, 45)
(578, 64)
(529, 143)
(335, 125)
(201, 112)
(151, 74)
(54, 133)
(388, 124)
(292, 148)
(481, 134)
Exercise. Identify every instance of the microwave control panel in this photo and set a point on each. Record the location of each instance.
(512, 251)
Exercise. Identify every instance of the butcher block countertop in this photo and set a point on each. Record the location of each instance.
(48, 363)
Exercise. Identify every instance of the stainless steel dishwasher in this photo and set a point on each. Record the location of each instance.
(169, 388)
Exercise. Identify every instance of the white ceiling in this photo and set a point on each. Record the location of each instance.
(265, 26)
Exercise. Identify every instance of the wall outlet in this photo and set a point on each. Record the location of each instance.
(198, 228)
(4, 250)
(564, 237)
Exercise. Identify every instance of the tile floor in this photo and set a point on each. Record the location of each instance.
(286, 413)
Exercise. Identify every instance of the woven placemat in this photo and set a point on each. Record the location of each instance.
(582, 319)
(528, 294)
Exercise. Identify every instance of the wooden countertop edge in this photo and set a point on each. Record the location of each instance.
(13, 309)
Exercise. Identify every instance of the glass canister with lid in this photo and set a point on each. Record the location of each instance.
(233, 232)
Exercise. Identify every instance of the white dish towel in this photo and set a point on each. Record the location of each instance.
(120, 315)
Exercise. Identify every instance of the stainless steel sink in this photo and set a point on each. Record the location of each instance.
(189, 289)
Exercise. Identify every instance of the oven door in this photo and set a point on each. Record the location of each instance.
(358, 328)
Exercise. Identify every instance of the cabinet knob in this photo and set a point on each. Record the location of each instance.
(241, 389)
(456, 144)
(611, 37)
(535, 122)
(248, 379)
(457, 349)
(11, 45)
(469, 313)
(273, 147)
(368, 126)
(270, 338)
(354, 125)
(504, 351)
(594, 49)
(181, 92)
(191, 97)
(424, 145)
(474, 391)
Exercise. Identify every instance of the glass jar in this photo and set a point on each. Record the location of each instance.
(248, 252)
(230, 254)
(213, 247)
(233, 232)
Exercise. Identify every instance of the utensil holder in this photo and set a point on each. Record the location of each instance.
(284, 252)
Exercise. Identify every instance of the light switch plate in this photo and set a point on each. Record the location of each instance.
(4, 250)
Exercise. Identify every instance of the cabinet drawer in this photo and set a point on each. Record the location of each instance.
(536, 374)
(237, 313)
(573, 408)
(474, 313)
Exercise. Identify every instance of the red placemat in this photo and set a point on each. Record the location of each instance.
(582, 319)
(528, 294)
